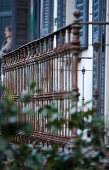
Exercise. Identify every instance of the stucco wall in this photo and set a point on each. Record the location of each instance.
(87, 55)
(107, 69)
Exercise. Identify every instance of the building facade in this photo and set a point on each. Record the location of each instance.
(32, 19)
(91, 11)
(17, 14)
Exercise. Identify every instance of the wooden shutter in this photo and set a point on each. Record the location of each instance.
(61, 13)
(96, 16)
(51, 11)
(82, 6)
(36, 19)
(103, 57)
(5, 17)
(21, 22)
(98, 32)
(46, 19)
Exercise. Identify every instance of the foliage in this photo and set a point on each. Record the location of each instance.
(88, 151)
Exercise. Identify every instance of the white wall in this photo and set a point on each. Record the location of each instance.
(55, 14)
(107, 69)
(69, 11)
(87, 62)
(87, 55)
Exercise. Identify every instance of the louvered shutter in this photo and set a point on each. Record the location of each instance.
(61, 13)
(46, 20)
(96, 16)
(51, 11)
(21, 21)
(0, 76)
(5, 17)
(103, 56)
(99, 14)
(82, 6)
(36, 19)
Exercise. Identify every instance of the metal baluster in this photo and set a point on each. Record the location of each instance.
(47, 75)
(24, 67)
(57, 74)
(42, 77)
(51, 43)
(44, 90)
(69, 62)
(69, 32)
(46, 46)
(57, 37)
(62, 37)
(51, 75)
(76, 50)
(37, 46)
(32, 47)
(16, 74)
(54, 75)
(96, 47)
(41, 43)
(28, 48)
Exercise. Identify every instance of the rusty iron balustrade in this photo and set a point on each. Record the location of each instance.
(95, 95)
(53, 66)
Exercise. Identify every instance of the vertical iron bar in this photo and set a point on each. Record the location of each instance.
(76, 49)
(96, 47)
(83, 72)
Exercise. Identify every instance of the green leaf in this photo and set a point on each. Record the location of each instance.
(27, 128)
(32, 85)
(8, 97)
(25, 97)
(3, 144)
(27, 110)
(38, 90)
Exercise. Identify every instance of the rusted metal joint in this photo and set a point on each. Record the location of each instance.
(96, 94)
(96, 45)
(75, 92)
(32, 47)
(76, 13)
(51, 43)
(41, 43)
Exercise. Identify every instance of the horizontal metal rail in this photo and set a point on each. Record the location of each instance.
(52, 63)
(57, 31)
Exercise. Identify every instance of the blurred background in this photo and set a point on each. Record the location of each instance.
(31, 19)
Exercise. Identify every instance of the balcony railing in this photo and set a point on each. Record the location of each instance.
(52, 63)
